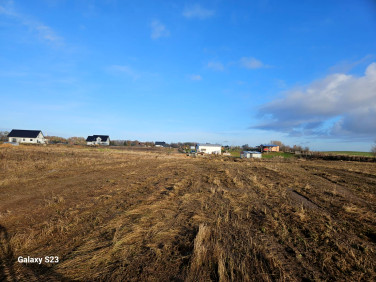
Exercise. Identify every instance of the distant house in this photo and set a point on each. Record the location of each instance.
(98, 140)
(250, 154)
(269, 148)
(209, 148)
(26, 136)
(160, 144)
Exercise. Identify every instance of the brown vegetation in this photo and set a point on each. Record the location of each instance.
(156, 215)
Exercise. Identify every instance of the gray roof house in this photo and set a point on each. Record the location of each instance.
(160, 144)
(26, 136)
(98, 140)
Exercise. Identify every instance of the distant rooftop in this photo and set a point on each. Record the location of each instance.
(104, 138)
(24, 133)
(251, 152)
(269, 145)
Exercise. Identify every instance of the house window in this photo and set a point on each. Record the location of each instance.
(31, 139)
(14, 140)
(23, 139)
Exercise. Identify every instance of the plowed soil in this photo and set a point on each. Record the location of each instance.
(138, 215)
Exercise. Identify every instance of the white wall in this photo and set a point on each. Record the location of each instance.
(98, 142)
(39, 140)
(249, 155)
(256, 156)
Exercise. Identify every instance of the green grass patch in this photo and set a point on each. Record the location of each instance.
(271, 155)
(349, 153)
(235, 154)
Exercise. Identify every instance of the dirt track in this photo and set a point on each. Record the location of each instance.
(139, 216)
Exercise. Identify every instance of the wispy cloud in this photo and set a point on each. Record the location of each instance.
(43, 31)
(346, 66)
(122, 69)
(195, 77)
(251, 63)
(196, 11)
(216, 66)
(6, 8)
(158, 30)
(339, 105)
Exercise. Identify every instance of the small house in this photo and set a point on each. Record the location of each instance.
(26, 136)
(160, 144)
(269, 148)
(209, 148)
(103, 140)
(250, 154)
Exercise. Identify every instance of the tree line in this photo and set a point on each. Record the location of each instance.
(184, 145)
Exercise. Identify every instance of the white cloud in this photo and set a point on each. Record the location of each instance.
(43, 31)
(158, 30)
(216, 66)
(196, 11)
(251, 63)
(339, 105)
(195, 77)
(124, 70)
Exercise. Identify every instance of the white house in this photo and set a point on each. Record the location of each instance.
(160, 144)
(250, 154)
(98, 140)
(26, 136)
(209, 148)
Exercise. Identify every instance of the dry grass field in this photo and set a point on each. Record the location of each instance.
(122, 215)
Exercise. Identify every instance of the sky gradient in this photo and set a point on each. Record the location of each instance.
(234, 73)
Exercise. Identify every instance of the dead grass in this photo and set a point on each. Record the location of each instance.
(147, 215)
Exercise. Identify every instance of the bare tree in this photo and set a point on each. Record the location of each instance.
(282, 147)
(275, 142)
(4, 135)
(76, 141)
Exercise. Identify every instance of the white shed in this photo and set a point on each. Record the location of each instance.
(250, 154)
(209, 148)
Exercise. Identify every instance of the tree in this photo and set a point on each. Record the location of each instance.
(56, 139)
(282, 147)
(76, 141)
(373, 149)
(4, 135)
(275, 142)
(245, 147)
(297, 148)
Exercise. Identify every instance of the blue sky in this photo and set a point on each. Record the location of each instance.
(229, 72)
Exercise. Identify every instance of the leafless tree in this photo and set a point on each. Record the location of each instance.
(76, 141)
(4, 135)
(373, 149)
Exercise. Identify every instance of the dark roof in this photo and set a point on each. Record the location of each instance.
(269, 145)
(94, 138)
(103, 137)
(24, 133)
(160, 143)
(251, 152)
